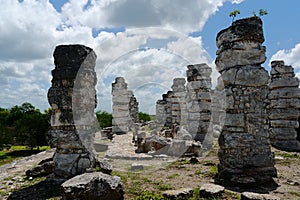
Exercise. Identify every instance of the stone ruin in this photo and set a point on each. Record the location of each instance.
(72, 97)
(245, 154)
(124, 106)
(284, 108)
(178, 102)
(198, 100)
(134, 109)
(164, 111)
(247, 126)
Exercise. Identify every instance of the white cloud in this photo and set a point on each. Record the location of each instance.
(30, 30)
(172, 14)
(290, 57)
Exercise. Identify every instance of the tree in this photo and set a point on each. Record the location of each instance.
(262, 12)
(5, 131)
(104, 118)
(234, 13)
(32, 129)
(144, 117)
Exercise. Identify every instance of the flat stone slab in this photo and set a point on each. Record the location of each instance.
(183, 193)
(211, 190)
(256, 196)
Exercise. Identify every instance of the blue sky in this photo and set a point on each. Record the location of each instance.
(149, 42)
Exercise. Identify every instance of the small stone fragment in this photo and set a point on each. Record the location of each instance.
(211, 190)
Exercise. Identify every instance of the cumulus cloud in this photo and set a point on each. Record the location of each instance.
(148, 58)
(290, 57)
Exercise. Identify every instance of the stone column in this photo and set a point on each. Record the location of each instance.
(245, 154)
(198, 100)
(168, 109)
(284, 107)
(161, 112)
(120, 106)
(72, 97)
(134, 109)
(178, 108)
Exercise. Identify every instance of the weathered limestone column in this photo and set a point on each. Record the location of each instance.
(178, 108)
(120, 106)
(245, 154)
(134, 109)
(168, 98)
(161, 112)
(198, 100)
(284, 109)
(72, 97)
(218, 111)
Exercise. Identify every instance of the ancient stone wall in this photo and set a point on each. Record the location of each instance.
(284, 109)
(245, 154)
(72, 97)
(198, 100)
(178, 106)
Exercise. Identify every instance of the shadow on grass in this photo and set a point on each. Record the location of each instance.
(47, 189)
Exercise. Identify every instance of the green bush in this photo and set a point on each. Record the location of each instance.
(104, 118)
(144, 117)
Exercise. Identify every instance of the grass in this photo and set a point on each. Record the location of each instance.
(16, 152)
(288, 155)
(213, 170)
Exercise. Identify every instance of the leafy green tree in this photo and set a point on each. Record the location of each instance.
(104, 118)
(234, 13)
(262, 12)
(144, 117)
(32, 129)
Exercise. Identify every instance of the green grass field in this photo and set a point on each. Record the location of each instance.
(16, 152)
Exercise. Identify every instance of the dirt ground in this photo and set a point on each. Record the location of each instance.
(164, 176)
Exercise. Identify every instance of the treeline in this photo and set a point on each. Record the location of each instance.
(105, 118)
(23, 125)
(26, 125)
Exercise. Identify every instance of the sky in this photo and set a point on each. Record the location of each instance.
(148, 42)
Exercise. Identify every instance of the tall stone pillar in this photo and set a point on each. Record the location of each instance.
(284, 109)
(161, 112)
(178, 108)
(72, 97)
(168, 109)
(245, 153)
(198, 100)
(120, 106)
(134, 109)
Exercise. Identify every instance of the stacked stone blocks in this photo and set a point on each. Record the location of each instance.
(198, 100)
(245, 155)
(72, 97)
(284, 108)
(178, 106)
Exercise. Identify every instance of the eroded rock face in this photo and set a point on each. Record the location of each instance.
(72, 97)
(284, 108)
(245, 155)
(198, 100)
